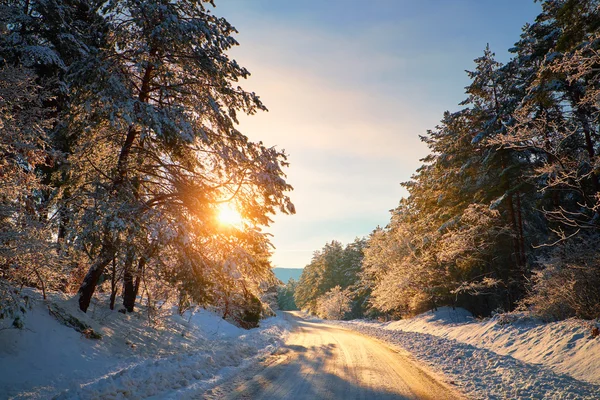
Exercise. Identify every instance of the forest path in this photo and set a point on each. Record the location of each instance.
(322, 361)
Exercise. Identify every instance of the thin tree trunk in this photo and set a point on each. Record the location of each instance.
(113, 284)
(521, 234)
(589, 146)
(226, 313)
(138, 277)
(37, 273)
(63, 221)
(583, 113)
(511, 214)
(513, 222)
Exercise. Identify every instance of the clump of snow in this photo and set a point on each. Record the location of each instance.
(507, 356)
(134, 358)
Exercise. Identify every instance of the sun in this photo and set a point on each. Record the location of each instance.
(229, 215)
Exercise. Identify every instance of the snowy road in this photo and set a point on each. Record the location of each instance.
(320, 361)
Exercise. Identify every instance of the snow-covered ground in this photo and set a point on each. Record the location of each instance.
(508, 356)
(188, 354)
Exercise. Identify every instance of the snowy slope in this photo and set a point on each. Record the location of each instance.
(133, 359)
(566, 347)
(508, 356)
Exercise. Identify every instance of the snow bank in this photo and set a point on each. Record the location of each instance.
(133, 359)
(508, 356)
(565, 346)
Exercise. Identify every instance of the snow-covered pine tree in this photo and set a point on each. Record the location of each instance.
(400, 265)
(307, 291)
(493, 96)
(554, 122)
(285, 295)
(47, 40)
(154, 111)
(464, 172)
(557, 124)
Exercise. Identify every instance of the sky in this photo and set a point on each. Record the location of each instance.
(350, 85)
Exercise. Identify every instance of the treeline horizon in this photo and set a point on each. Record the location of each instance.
(504, 213)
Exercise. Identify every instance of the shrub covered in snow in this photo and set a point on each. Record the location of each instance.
(568, 285)
(334, 304)
(13, 306)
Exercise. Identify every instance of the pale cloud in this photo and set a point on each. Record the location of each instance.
(307, 113)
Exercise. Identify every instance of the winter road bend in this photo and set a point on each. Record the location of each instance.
(321, 361)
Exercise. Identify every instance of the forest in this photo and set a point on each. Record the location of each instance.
(503, 213)
(119, 149)
(144, 199)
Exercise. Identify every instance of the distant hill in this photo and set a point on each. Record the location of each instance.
(284, 274)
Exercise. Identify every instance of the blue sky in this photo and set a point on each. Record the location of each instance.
(350, 85)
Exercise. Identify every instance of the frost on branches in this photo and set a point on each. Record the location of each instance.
(505, 210)
(334, 304)
(123, 180)
(166, 111)
(333, 266)
(27, 254)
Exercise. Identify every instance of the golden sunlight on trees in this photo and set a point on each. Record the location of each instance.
(504, 213)
(229, 216)
(136, 141)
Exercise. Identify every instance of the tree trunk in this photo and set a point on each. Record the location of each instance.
(589, 146)
(583, 114)
(42, 284)
(521, 234)
(226, 312)
(511, 213)
(138, 277)
(86, 290)
(128, 285)
(63, 221)
(113, 284)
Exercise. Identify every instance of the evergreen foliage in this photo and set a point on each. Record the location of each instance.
(335, 265)
(505, 210)
(120, 143)
(285, 295)
(509, 194)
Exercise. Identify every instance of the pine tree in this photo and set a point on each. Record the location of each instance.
(156, 111)
(141, 103)
(554, 121)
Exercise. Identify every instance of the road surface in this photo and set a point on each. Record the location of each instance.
(321, 361)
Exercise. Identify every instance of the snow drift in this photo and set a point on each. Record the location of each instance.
(133, 359)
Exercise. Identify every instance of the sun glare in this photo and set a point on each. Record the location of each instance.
(229, 216)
